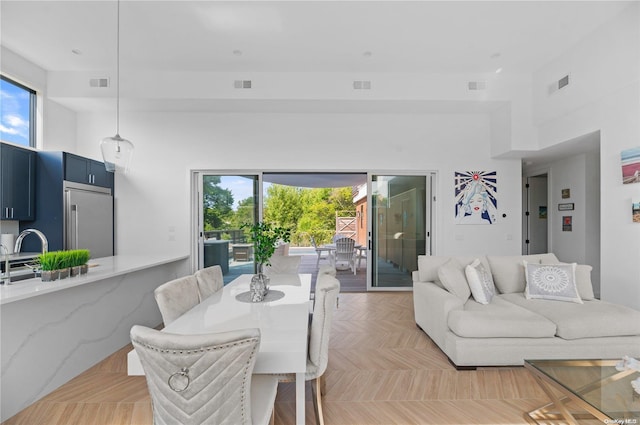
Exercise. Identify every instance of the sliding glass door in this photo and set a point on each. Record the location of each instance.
(225, 203)
(400, 228)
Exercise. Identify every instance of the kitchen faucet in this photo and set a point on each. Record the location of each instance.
(24, 233)
(6, 277)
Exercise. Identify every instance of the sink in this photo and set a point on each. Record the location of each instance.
(22, 276)
(21, 273)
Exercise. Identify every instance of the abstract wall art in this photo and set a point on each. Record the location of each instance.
(476, 197)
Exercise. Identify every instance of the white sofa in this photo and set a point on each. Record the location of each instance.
(512, 328)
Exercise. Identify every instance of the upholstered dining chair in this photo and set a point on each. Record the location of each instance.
(176, 297)
(282, 264)
(326, 295)
(206, 378)
(345, 253)
(210, 281)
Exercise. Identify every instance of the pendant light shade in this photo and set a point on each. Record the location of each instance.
(116, 151)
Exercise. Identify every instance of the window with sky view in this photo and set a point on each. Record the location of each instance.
(16, 105)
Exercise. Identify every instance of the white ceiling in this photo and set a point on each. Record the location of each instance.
(300, 36)
(360, 37)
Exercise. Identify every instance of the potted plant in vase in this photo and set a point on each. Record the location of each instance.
(78, 261)
(64, 264)
(264, 237)
(49, 265)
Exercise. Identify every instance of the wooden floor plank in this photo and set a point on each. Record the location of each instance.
(382, 370)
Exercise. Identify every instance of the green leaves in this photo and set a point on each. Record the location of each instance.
(265, 236)
(56, 260)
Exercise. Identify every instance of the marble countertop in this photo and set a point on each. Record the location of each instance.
(99, 269)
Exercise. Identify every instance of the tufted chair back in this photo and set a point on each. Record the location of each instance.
(326, 294)
(210, 281)
(176, 297)
(198, 379)
(283, 264)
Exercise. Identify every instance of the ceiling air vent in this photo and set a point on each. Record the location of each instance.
(563, 82)
(242, 84)
(98, 82)
(560, 84)
(476, 85)
(362, 85)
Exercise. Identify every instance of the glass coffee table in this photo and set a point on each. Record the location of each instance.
(585, 390)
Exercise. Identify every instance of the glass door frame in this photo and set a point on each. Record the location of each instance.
(430, 220)
(197, 213)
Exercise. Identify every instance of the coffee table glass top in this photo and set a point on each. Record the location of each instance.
(597, 382)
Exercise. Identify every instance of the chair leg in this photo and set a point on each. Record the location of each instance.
(315, 387)
(323, 385)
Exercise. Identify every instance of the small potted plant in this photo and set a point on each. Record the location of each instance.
(49, 265)
(78, 261)
(264, 237)
(66, 262)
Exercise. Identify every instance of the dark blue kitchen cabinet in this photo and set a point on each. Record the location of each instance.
(17, 185)
(88, 171)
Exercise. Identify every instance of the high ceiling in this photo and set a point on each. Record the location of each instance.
(300, 36)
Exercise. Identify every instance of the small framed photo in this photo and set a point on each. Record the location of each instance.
(566, 193)
(542, 212)
(567, 223)
(566, 207)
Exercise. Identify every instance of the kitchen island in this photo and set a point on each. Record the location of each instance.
(53, 331)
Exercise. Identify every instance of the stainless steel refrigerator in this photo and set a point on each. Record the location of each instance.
(88, 218)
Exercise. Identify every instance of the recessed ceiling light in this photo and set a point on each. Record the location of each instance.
(237, 52)
(498, 71)
(367, 54)
(76, 51)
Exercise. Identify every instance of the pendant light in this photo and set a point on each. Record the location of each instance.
(116, 151)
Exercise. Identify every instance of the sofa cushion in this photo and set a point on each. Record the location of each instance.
(593, 318)
(428, 266)
(451, 274)
(551, 282)
(499, 319)
(508, 271)
(480, 282)
(583, 282)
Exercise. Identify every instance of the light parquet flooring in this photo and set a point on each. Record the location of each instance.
(382, 370)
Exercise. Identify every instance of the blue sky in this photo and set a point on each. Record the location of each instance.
(14, 114)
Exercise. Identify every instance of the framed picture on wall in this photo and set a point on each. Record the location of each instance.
(567, 222)
(476, 197)
(566, 207)
(635, 210)
(542, 212)
(566, 193)
(630, 161)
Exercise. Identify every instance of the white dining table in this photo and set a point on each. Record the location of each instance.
(283, 325)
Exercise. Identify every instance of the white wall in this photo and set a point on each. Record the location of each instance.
(605, 68)
(155, 196)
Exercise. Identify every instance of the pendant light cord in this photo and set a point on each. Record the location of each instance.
(118, 72)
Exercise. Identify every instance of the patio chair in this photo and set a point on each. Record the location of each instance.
(345, 254)
(319, 251)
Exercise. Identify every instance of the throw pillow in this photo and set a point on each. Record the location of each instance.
(480, 282)
(451, 275)
(551, 282)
